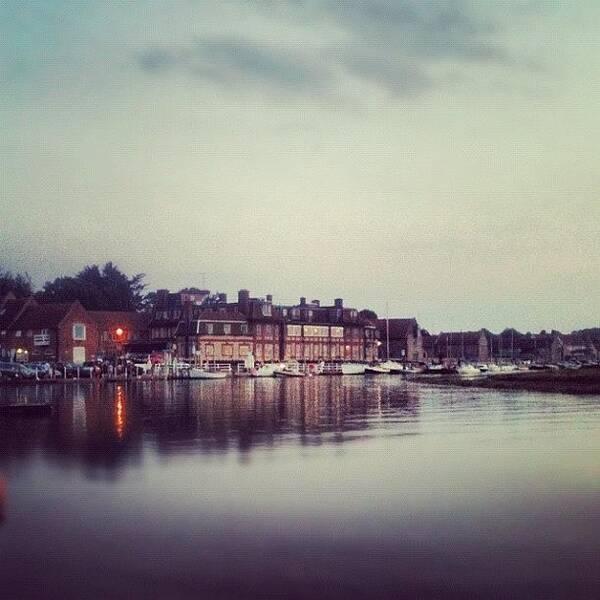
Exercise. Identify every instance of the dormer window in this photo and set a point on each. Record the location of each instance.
(266, 310)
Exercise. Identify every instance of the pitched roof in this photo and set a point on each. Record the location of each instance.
(458, 338)
(399, 328)
(111, 319)
(43, 316)
(10, 310)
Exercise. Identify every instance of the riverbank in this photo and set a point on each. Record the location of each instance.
(581, 381)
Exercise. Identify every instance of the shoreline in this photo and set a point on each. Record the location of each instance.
(584, 381)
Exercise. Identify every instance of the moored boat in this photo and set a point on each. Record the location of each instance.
(376, 370)
(264, 371)
(26, 410)
(196, 373)
(392, 366)
(468, 371)
(353, 369)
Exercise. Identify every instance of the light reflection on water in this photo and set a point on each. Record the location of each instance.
(331, 487)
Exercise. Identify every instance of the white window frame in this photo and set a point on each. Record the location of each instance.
(227, 328)
(81, 338)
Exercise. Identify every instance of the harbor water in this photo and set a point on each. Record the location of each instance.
(322, 487)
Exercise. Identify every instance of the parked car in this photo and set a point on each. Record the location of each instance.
(15, 370)
(45, 370)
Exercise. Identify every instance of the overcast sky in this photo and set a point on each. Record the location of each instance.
(439, 156)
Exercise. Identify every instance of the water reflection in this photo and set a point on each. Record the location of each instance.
(107, 425)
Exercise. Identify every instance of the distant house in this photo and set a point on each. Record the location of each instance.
(577, 346)
(405, 339)
(54, 332)
(10, 309)
(461, 345)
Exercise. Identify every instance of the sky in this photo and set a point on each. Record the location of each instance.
(437, 159)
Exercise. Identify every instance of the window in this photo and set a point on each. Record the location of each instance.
(209, 328)
(18, 333)
(79, 331)
(284, 312)
(268, 331)
(44, 331)
(3, 332)
(266, 310)
(244, 329)
(259, 329)
(227, 328)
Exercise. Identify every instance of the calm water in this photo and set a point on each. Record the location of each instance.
(326, 487)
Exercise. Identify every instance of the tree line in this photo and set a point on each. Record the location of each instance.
(96, 287)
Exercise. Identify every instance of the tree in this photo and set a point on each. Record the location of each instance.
(367, 315)
(19, 285)
(105, 288)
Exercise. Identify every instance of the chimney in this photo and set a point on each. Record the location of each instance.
(302, 301)
(243, 301)
(222, 298)
(269, 297)
(316, 302)
(338, 303)
(162, 297)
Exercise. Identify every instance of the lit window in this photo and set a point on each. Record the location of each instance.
(3, 332)
(79, 332)
(18, 333)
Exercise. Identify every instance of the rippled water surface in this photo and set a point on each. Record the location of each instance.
(330, 487)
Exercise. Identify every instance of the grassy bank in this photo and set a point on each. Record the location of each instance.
(581, 381)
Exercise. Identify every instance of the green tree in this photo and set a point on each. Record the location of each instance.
(106, 288)
(19, 285)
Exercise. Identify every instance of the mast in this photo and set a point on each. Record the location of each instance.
(387, 330)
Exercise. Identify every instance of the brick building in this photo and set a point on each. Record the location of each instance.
(56, 332)
(117, 329)
(208, 326)
(405, 340)
(461, 346)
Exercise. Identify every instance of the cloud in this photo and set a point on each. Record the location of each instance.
(395, 45)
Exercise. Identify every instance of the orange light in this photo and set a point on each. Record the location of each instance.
(119, 331)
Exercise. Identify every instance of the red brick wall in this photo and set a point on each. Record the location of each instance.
(65, 335)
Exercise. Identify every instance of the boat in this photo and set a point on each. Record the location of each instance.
(195, 373)
(26, 410)
(468, 371)
(439, 370)
(376, 370)
(392, 366)
(289, 369)
(353, 369)
(264, 371)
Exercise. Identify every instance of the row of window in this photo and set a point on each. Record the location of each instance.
(79, 332)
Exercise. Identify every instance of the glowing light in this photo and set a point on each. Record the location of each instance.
(119, 331)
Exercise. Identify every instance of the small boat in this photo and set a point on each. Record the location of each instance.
(353, 369)
(26, 410)
(439, 370)
(289, 373)
(392, 366)
(468, 371)
(376, 370)
(264, 371)
(196, 373)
